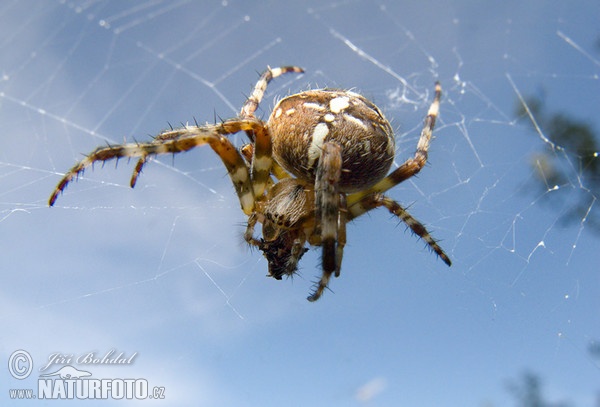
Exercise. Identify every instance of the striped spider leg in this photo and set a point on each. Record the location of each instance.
(358, 203)
(371, 198)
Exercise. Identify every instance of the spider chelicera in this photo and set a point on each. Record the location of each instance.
(321, 160)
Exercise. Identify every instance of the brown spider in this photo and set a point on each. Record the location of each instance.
(319, 161)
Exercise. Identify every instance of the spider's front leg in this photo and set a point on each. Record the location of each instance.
(173, 142)
(329, 224)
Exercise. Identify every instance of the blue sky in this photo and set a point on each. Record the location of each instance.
(162, 270)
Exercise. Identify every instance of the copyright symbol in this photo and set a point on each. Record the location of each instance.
(20, 364)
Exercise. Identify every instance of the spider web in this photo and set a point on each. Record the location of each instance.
(510, 190)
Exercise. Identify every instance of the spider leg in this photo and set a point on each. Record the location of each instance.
(342, 219)
(327, 206)
(168, 135)
(378, 200)
(261, 160)
(178, 140)
(276, 169)
(175, 141)
(261, 86)
(137, 170)
(414, 164)
(260, 169)
(249, 234)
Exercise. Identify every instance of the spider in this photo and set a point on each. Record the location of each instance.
(319, 161)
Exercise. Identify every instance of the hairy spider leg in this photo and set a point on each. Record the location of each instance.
(259, 166)
(171, 135)
(378, 200)
(361, 202)
(327, 209)
(261, 161)
(176, 141)
(276, 170)
(342, 220)
(261, 86)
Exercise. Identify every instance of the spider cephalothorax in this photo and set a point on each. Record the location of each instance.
(319, 161)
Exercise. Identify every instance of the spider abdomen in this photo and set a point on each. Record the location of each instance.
(300, 124)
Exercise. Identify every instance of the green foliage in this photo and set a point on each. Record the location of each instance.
(568, 167)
